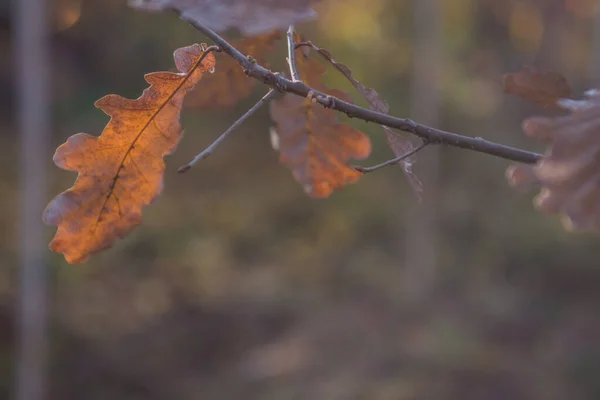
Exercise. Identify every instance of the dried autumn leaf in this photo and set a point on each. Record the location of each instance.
(543, 89)
(315, 146)
(121, 170)
(312, 142)
(251, 17)
(569, 172)
(400, 146)
(231, 84)
(398, 143)
(377, 102)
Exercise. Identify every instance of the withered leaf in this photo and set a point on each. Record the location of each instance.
(398, 143)
(374, 99)
(543, 89)
(230, 84)
(312, 142)
(400, 146)
(122, 169)
(251, 17)
(569, 172)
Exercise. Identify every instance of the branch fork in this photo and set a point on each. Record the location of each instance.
(428, 135)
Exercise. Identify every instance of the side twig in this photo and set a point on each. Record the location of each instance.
(291, 58)
(210, 149)
(393, 161)
(299, 88)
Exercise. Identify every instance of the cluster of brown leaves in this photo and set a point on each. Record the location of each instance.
(121, 170)
(569, 172)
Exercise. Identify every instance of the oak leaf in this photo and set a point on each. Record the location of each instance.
(231, 84)
(543, 89)
(569, 172)
(121, 170)
(398, 143)
(251, 17)
(312, 142)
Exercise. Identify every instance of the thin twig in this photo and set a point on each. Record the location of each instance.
(291, 58)
(432, 135)
(393, 161)
(210, 149)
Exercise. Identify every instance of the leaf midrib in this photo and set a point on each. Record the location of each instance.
(139, 134)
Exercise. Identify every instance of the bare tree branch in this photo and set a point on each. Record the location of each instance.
(291, 58)
(210, 149)
(431, 135)
(393, 161)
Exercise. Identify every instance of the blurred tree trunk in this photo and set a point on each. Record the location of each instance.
(421, 245)
(595, 52)
(32, 63)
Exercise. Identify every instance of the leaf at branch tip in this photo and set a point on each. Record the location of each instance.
(122, 169)
(398, 143)
(543, 89)
(569, 173)
(230, 84)
(312, 142)
(251, 17)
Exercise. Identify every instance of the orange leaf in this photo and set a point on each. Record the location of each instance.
(231, 84)
(543, 89)
(312, 143)
(121, 170)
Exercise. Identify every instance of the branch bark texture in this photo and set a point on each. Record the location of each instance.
(299, 88)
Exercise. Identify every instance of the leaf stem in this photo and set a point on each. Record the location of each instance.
(393, 161)
(210, 149)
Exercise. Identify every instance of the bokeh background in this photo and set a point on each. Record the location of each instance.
(237, 285)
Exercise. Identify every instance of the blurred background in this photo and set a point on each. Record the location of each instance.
(237, 285)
